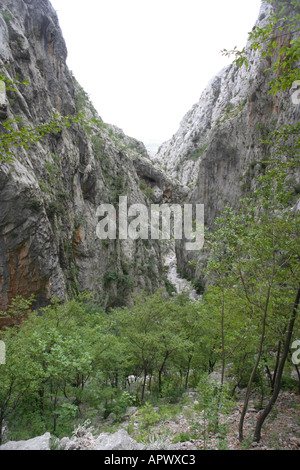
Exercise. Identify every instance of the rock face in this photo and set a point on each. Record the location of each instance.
(118, 441)
(84, 438)
(3, 101)
(50, 194)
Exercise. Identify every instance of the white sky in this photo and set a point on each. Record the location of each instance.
(144, 63)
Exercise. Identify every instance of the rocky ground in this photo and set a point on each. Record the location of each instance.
(184, 431)
(281, 431)
(182, 427)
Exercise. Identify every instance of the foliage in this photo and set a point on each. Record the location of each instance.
(13, 136)
(214, 401)
(14, 133)
(72, 357)
(256, 250)
(12, 84)
(279, 41)
(147, 416)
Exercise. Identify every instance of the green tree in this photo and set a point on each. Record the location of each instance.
(152, 330)
(51, 356)
(19, 378)
(267, 265)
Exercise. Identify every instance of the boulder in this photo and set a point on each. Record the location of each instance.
(37, 443)
(117, 441)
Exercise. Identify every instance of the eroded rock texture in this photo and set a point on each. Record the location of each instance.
(50, 194)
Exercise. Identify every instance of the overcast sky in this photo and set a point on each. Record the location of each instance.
(144, 63)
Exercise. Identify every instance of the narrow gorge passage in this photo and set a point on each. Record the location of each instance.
(181, 285)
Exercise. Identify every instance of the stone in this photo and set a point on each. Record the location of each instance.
(130, 411)
(37, 443)
(49, 196)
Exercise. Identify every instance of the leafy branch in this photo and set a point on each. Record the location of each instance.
(11, 83)
(15, 137)
(278, 41)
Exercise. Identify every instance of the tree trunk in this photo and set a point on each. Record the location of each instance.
(248, 391)
(276, 365)
(161, 371)
(1, 427)
(144, 383)
(268, 372)
(298, 373)
(211, 365)
(187, 375)
(272, 401)
(262, 338)
(223, 339)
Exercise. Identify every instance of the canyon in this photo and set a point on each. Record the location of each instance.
(50, 193)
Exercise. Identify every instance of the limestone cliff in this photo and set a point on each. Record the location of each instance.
(50, 194)
(217, 149)
(218, 146)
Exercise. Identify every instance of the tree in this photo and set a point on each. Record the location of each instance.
(51, 356)
(276, 229)
(286, 348)
(18, 377)
(153, 331)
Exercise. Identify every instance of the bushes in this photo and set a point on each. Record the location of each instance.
(73, 357)
(122, 280)
(49, 359)
(71, 361)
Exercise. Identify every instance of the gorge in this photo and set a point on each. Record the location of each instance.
(82, 313)
(50, 194)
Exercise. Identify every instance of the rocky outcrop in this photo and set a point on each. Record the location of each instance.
(120, 440)
(3, 101)
(37, 443)
(50, 194)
